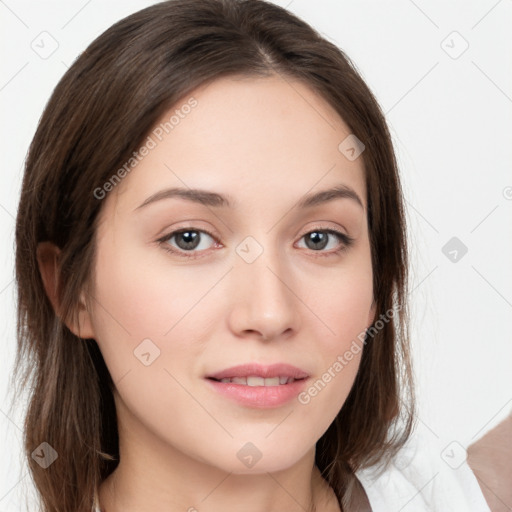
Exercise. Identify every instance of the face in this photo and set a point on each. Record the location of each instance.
(185, 289)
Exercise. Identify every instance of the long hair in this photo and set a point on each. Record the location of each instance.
(100, 112)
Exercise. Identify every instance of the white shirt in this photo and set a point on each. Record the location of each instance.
(423, 477)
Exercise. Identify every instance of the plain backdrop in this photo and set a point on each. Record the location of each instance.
(442, 72)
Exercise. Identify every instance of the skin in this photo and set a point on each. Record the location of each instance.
(266, 143)
(490, 458)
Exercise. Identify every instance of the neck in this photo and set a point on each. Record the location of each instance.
(153, 476)
(132, 488)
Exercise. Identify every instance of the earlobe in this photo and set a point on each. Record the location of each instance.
(84, 329)
(371, 313)
(48, 257)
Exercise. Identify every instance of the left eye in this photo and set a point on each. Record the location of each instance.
(319, 239)
(189, 239)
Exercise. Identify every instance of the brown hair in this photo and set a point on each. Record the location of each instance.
(99, 113)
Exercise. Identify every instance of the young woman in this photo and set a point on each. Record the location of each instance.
(212, 278)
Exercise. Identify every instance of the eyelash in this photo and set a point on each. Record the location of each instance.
(345, 240)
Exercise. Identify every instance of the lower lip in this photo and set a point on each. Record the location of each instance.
(262, 397)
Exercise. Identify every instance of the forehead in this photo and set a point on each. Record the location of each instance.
(248, 138)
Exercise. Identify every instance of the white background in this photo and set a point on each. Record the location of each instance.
(451, 119)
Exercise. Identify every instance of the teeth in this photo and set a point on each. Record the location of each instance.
(254, 381)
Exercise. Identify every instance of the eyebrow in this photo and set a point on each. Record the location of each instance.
(216, 200)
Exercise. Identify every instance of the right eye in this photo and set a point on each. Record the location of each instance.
(187, 240)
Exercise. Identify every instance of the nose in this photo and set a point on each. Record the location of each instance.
(263, 301)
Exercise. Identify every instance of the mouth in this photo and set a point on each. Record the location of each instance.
(256, 386)
(253, 374)
(255, 381)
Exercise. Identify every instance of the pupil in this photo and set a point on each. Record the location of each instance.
(191, 239)
(319, 240)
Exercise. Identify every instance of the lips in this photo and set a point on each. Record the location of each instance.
(257, 386)
(258, 375)
(254, 380)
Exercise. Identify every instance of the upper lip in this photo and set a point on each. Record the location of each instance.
(258, 370)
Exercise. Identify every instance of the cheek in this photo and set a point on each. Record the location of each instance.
(137, 299)
(345, 314)
(347, 302)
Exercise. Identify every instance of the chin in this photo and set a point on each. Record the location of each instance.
(250, 460)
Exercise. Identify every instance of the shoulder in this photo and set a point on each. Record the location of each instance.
(425, 475)
(490, 457)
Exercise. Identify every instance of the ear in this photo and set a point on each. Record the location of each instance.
(48, 256)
